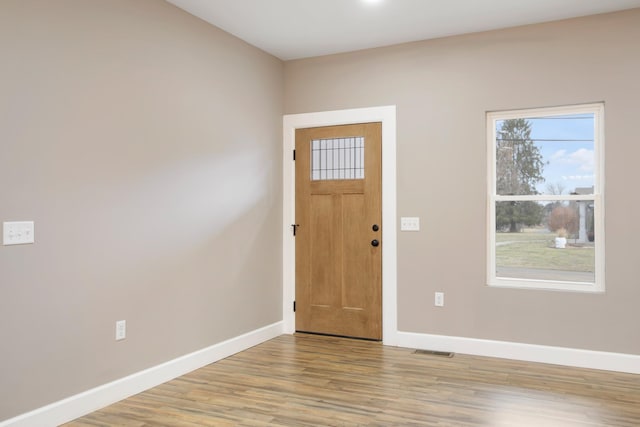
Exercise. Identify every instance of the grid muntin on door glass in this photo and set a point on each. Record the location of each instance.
(337, 158)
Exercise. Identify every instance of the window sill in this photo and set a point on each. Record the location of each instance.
(546, 285)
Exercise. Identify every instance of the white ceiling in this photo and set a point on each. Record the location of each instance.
(291, 29)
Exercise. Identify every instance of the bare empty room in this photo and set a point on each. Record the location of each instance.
(319, 212)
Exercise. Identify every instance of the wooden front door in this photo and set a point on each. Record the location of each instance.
(339, 230)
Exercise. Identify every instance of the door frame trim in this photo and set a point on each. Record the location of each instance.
(387, 116)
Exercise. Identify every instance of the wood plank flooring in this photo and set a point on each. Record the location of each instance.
(310, 380)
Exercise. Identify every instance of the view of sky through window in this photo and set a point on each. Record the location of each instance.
(566, 144)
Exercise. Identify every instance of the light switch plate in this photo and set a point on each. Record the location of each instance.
(408, 223)
(17, 233)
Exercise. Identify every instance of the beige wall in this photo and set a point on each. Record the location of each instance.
(146, 146)
(442, 89)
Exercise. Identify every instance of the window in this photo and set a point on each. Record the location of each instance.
(337, 158)
(545, 198)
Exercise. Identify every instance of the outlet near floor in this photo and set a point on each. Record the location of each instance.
(439, 299)
(121, 330)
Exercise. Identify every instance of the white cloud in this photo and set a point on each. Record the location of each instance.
(578, 177)
(583, 158)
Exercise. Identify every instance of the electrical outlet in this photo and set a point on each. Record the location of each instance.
(121, 330)
(439, 299)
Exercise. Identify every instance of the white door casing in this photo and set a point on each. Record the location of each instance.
(387, 116)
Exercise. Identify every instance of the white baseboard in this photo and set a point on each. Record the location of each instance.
(619, 362)
(91, 400)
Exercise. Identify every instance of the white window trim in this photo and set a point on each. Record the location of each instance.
(598, 199)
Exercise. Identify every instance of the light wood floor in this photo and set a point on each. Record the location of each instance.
(308, 380)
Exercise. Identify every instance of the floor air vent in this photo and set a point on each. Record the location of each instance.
(434, 353)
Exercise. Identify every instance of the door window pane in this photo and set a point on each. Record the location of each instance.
(337, 158)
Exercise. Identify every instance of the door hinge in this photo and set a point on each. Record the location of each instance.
(294, 306)
(294, 155)
(295, 227)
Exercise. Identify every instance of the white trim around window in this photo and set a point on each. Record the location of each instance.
(595, 198)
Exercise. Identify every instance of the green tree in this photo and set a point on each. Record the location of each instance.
(519, 167)
(511, 216)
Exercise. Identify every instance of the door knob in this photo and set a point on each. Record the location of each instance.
(374, 242)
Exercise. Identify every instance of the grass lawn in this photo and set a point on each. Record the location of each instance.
(535, 249)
